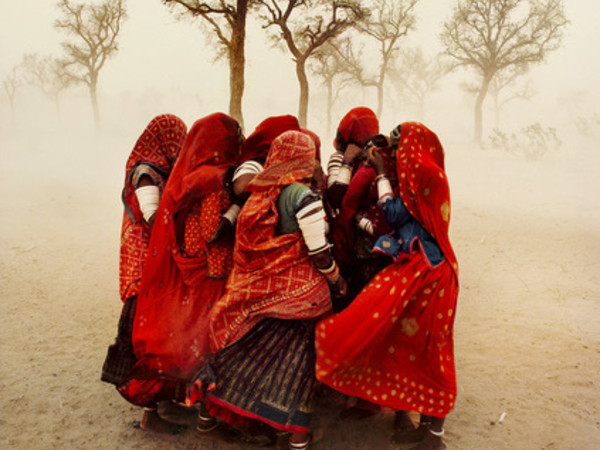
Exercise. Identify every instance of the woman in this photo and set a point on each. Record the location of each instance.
(146, 173)
(184, 274)
(355, 129)
(359, 223)
(263, 327)
(249, 164)
(393, 346)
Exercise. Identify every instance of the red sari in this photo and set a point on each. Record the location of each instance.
(272, 274)
(170, 334)
(393, 345)
(357, 127)
(157, 147)
(256, 146)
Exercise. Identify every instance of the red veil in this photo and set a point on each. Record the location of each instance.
(258, 143)
(158, 147)
(170, 334)
(272, 274)
(357, 126)
(394, 344)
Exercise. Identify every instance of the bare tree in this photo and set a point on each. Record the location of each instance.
(306, 25)
(95, 28)
(492, 35)
(387, 22)
(327, 65)
(11, 83)
(505, 89)
(227, 19)
(416, 76)
(46, 74)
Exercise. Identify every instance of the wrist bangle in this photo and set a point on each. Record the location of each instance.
(332, 273)
(381, 175)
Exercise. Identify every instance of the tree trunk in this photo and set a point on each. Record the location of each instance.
(478, 132)
(329, 102)
(379, 87)
(304, 91)
(496, 111)
(237, 63)
(94, 99)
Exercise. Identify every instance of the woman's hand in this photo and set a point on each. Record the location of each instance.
(339, 288)
(375, 160)
(351, 153)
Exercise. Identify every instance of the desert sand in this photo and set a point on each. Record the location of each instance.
(527, 334)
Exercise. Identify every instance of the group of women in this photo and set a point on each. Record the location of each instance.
(251, 280)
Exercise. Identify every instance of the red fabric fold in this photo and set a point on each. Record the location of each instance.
(258, 143)
(393, 345)
(272, 274)
(158, 146)
(170, 334)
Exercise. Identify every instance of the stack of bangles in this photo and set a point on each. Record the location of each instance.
(332, 273)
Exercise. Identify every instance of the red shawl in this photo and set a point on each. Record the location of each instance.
(158, 147)
(272, 274)
(394, 344)
(258, 143)
(357, 126)
(170, 334)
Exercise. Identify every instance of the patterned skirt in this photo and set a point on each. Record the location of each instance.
(120, 357)
(268, 375)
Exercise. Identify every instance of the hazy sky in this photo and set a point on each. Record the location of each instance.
(160, 54)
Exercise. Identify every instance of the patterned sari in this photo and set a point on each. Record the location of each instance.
(393, 345)
(262, 329)
(157, 148)
(154, 155)
(184, 274)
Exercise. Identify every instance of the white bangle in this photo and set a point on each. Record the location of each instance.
(437, 433)
(384, 187)
(344, 175)
(232, 213)
(148, 197)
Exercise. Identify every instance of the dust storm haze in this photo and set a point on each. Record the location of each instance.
(525, 226)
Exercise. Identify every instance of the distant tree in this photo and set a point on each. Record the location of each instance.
(504, 89)
(492, 35)
(327, 65)
(95, 28)
(417, 76)
(11, 83)
(387, 22)
(227, 19)
(46, 74)
(305, 26)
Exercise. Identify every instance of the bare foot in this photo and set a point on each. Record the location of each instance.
(430, 442)
(178, 413)
(405, 431)
(153, 422)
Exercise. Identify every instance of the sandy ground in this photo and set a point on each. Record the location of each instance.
(527, 235)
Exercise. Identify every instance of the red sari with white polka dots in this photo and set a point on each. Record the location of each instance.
(393, 345)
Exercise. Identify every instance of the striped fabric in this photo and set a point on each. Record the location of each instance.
(266, 375)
